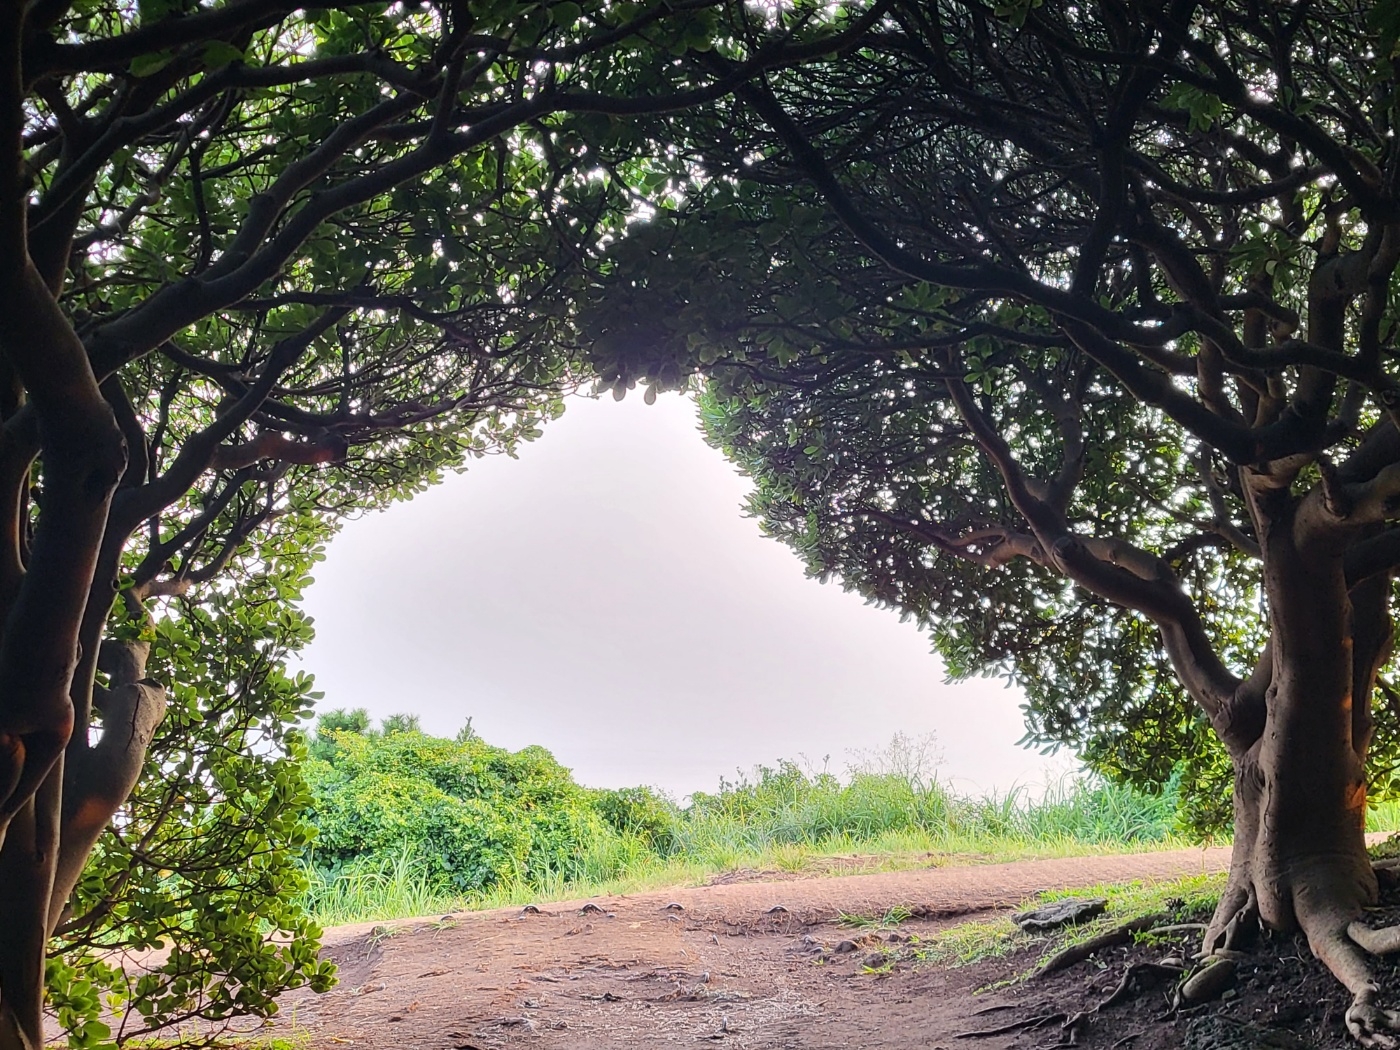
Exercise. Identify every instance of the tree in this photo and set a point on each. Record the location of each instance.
(264, 264)
(1069, 330)
(205, 860)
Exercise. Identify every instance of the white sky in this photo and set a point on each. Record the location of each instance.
(604, 596)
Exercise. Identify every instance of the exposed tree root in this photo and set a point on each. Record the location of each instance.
(1128, 985)
(1079, 952)
(1235, 923)
(1369, 1024)
(1026, 1024)
(1384, 941)
(1071, 1025)
(1341, 947)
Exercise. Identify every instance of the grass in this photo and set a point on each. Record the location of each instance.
(394, 888)
(1384, 816)
(787, 820)
(1188, 899)
(888, 921)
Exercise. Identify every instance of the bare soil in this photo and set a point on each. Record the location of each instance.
(739, 964)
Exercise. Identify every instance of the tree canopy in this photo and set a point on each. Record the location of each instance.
(263, 266)
(1069, 330)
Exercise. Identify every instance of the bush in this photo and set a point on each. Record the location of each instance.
(475, 816)
(642, 813)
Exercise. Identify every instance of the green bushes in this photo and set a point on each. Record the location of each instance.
(641, 813)
(473, 816)
(408, 823)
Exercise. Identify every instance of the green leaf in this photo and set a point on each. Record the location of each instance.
(154, 62)
(565, 14)
(218, 54)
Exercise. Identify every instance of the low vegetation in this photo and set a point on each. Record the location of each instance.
(410, 824)
(1185, 900)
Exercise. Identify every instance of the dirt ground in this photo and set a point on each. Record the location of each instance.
(738, 964)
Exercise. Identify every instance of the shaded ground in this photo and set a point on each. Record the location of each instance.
(737, 964)
(1282, 999)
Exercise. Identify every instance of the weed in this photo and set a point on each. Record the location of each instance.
(889, 920)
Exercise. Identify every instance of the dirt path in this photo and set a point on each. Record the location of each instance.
(732, 965)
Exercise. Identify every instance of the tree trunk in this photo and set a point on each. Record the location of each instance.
(26, 875)
(50, 839)
(1300, 856)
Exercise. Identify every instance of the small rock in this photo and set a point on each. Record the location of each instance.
(373, 986)
(591, 909)
(776, 909)
(530, 909)
(1173, 960)
(1060, 913)
(895, 937)
(875, 960)
(845, 947)
(674, 906)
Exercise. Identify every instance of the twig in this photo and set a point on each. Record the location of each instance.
(1125, 986)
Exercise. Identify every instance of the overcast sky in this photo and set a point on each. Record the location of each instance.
(604, 596)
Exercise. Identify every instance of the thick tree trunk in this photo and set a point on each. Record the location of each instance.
(1300, 856)
(50, 839)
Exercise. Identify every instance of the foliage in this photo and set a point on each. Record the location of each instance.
(265, 267)
(640, 813)
(203, 861)
(410, 824)
(473, 815)
(786, 804)
(921, 325)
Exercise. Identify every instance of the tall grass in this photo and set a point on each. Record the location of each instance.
(1384, 816)
(389, 887)
(786, 819)
(885, 812)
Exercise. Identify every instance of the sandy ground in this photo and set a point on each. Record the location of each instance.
(737, 964)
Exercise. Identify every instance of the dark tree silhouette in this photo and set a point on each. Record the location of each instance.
(260, 262)
(1069, 329)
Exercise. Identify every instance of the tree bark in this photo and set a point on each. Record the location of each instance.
(1300, 858)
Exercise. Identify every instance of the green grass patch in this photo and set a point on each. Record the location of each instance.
(1384, 815)
(1188, 899)
(888, 921)
(399, 885)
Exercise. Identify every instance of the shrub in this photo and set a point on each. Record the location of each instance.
(639, 812)
(474, 815)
